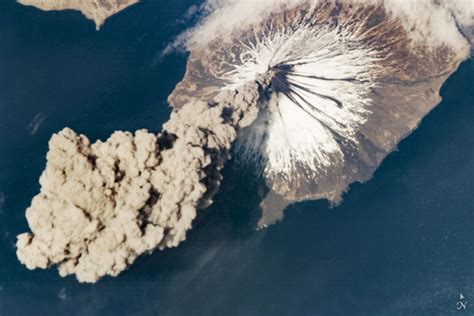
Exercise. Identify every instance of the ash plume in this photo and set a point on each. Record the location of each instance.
(101, 205)
(315, 94)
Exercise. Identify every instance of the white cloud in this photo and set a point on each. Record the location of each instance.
(427, 20)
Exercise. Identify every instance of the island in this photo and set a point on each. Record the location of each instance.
(95, 10)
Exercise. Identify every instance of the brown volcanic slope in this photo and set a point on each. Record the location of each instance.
(404, 77)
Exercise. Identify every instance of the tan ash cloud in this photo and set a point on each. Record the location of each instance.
(101, 205)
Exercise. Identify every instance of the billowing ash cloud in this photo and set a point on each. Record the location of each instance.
(101, 205)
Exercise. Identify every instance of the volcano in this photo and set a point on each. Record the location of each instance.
(350, 80)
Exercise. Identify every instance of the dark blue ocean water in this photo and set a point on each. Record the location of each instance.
(400, 244)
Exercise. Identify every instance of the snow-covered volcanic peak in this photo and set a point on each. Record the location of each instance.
(322, 78)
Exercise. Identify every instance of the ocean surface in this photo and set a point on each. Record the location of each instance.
(400, 244)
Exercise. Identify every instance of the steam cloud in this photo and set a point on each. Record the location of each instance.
(104, 204)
